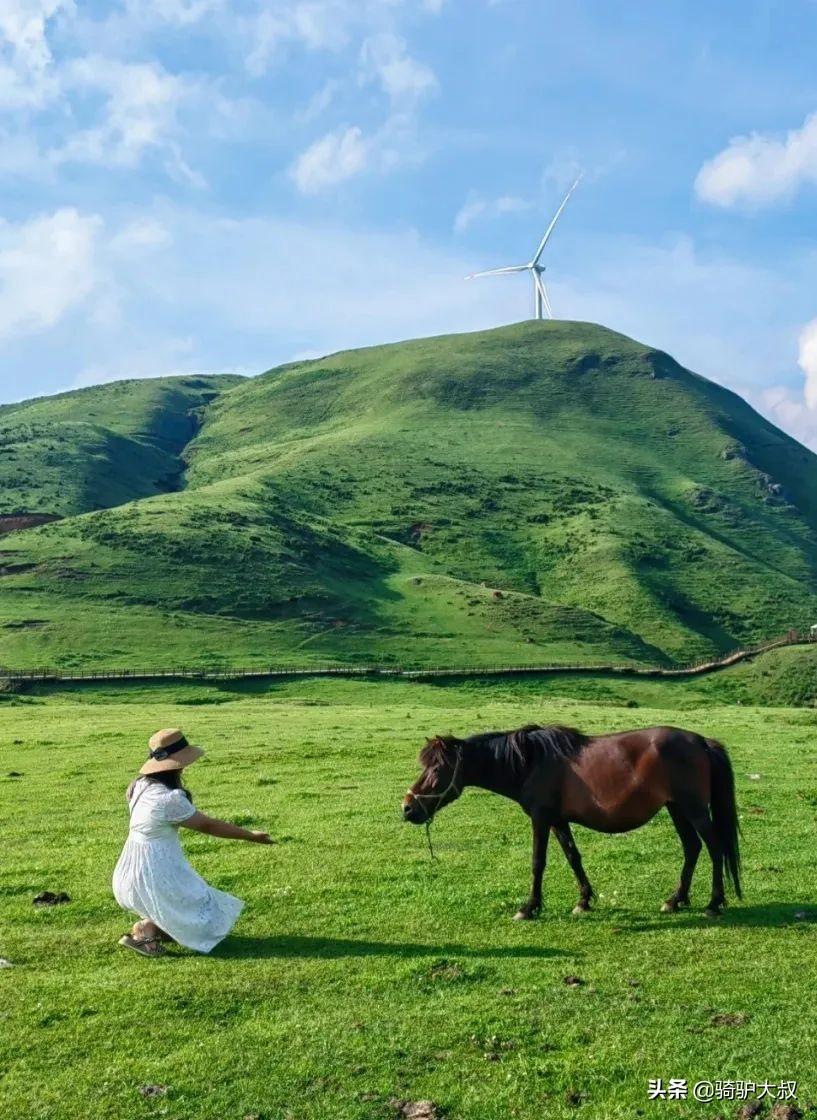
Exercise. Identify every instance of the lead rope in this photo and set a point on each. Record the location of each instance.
(438, 797)
(428, 838)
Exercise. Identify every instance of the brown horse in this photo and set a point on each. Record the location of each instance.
(610, 783)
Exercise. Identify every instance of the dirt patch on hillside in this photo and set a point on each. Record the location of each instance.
(14, 522)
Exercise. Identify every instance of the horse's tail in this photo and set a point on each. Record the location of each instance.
(725, 810)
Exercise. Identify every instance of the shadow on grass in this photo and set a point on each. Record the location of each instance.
(774, 915)
(336, 948)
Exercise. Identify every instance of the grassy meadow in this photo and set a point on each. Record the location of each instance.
(544, 492)
(360, 971)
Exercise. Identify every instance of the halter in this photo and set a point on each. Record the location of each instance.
(439, 797)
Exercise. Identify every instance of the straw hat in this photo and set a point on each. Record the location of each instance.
(169, 750)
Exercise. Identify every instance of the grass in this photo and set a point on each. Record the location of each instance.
(369, 505)
(102, 446)
(361, 971)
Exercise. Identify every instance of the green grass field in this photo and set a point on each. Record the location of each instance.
(361, 971)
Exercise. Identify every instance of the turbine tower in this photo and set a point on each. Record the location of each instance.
(540, 292)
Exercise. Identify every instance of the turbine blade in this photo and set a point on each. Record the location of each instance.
(543, 292)
(498, 271)
(553, 221)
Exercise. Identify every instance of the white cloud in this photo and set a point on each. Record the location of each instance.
(332, 159)
(27, 77)
(139, 113)
(112, 112)
(314, 24)
(153, 358)
(20, 157)
(268, 31)
(759, 170)
(244, 295)
(324, 25)
(175, 290)
(796, 410)
(23, 28)
(786, 408)
(180, 13)
(385, 60)
(141, 235)
(117, 111)
(468, 213)
(47, 267)
(320, 24)
(319, 102)
(807, 360)
(20, 89)
(475, 208)
(699, 305)
(346, 152)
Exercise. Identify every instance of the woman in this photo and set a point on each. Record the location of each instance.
(153, 877)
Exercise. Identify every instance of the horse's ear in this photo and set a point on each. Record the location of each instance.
(430, 754)
(442, 742)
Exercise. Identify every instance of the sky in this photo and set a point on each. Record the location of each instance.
(226, 185)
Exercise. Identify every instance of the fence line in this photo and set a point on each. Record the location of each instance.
(55, 675)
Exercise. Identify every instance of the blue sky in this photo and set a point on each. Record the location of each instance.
(204, 185)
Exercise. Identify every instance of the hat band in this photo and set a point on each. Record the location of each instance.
(162, 753)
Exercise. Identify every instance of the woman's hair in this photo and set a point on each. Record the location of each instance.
(170, 779)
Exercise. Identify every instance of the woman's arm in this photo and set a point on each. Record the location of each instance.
(214, 827)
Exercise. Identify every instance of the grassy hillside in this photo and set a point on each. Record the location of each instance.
(99, 447)
(547, 491)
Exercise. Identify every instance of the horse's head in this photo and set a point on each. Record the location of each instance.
(439, 784)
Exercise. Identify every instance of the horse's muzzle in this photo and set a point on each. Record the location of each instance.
(413, 811)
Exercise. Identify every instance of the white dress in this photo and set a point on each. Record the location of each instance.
(155, 881)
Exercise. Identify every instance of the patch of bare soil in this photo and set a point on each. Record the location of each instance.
(149, 1091)
(49, 898)
(784, 1111)
(750, 1111)
(730, 1019)
(416, 1110)
(15, 522)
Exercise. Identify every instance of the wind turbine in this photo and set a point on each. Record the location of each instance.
(540, 292)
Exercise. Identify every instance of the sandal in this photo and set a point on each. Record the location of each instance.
(141, 945)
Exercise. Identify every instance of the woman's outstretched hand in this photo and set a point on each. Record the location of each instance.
(212, 826)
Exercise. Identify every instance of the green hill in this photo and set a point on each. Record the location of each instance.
(99, 447)
(543, 492)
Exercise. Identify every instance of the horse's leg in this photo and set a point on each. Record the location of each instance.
(691, 842)
(702, 821)
(586, 893)
(541, 830)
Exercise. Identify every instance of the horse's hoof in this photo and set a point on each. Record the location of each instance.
(669, 908)
(710, 913)
(580, 910)
(525, 915)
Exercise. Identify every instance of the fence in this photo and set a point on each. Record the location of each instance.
(203, 673)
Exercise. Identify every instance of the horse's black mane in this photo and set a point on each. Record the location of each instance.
(515, 749)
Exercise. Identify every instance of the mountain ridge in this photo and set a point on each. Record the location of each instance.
(545, 489)
(140, 426)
